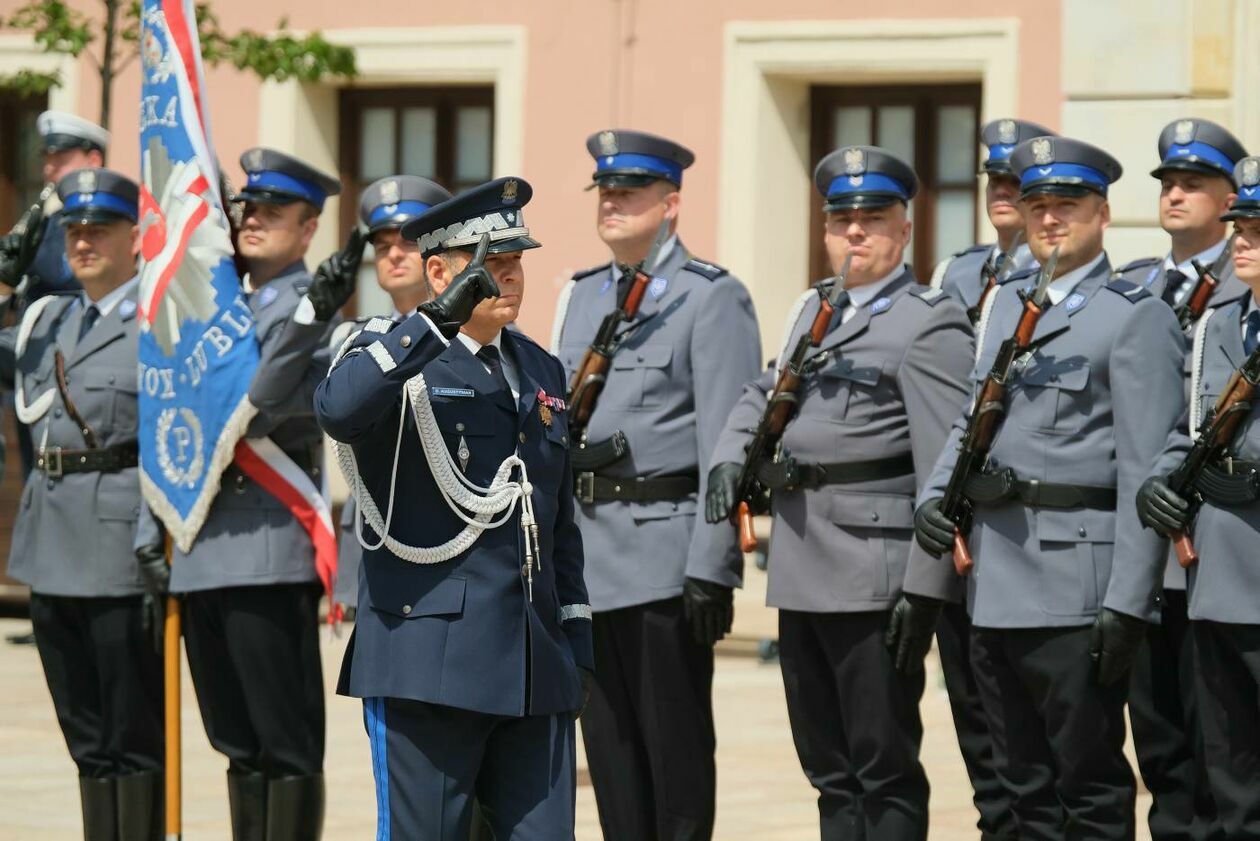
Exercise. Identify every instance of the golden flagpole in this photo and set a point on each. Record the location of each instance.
(174, 756)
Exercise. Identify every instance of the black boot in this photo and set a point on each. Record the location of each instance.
(100, 821)
(247, 798)
(295, 808)
(140, 807)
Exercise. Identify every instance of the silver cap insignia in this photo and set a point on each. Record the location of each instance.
(854, 161)
(1007, 132)
(608, 143)
(1043, 151)
(1183, 132)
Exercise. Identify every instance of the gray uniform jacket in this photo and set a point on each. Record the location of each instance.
(249, 537)
(960, 277)
(74, 533)
(1079, 411)
(1224, 583)
(669, 390)
(1151, 274)
(895, 375)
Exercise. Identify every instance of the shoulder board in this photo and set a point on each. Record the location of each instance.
(706, 270)
(1022, 274)
(588, 272)
(1129, 291)
(982, 246)
(1135, 265)
(930, 295)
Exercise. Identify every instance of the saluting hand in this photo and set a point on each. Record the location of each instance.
(335, 278)
(451, 309)
(19, 246)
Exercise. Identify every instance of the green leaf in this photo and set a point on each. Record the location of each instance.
(29, 82)
(55, 26)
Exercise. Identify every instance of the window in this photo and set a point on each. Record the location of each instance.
(934, 128)
(445, 134)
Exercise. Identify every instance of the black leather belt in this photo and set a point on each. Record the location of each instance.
(1231, 483)
(846, 473)
(58, 461)
(1003, 485)
(588, 488)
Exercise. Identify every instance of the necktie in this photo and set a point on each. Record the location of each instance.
(842, 304)
(89, 318)
(1251, 337)
(489, 356)
(1173, 278)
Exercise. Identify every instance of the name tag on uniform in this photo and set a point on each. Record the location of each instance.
(438, 391)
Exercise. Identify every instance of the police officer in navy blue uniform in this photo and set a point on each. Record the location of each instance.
(74, 361)
(660, 578)
(385, 206)
(966, 274)
(1066, 581)
(473, 623)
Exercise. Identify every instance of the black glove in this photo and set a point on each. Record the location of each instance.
(1160, 508)
(709, 609)
(933, 530)
(910, 630)
(780, 475)
(1114, 643)
(155, 574)
(18, 247)
(336, 277)
(719, 499)
(474, 284)
(588, 680)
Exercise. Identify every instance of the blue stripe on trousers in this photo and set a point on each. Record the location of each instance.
(374, 723)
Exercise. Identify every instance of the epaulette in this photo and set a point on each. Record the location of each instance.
(929, 295)
(1134, 265)
(983, 246)
(706, 270)
(1022, 274)
(1129, 291)
(588, 272)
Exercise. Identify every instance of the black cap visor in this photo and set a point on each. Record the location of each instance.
(93, 216)
(857, 201)
(1001, 167)
(614, 178)
(1070, 187)
(1192, 164)
(62, 142)
(268, 197)
(1242, 210)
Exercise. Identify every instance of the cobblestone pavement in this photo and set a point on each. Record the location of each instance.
(761, 792)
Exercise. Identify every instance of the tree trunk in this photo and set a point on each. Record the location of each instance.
(107, 60)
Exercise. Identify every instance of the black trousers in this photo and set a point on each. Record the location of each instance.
(953, 642)
(105, 679)
(648, 726)
(1228, 686)
(1058, 734)
(254, 657)
(1166, 734)
(855, 721)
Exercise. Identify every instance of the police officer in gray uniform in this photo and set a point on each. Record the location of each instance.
(660, 580)
(966, 274)
(74, 361)
(1224, 613)
(873, 414)
(1066, 580)
(1196, 187)
(385, 206)
(249, 582)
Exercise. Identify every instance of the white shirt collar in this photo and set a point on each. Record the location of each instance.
(1204, 258)
(860, 296)
(1063, 285)
(1021, 256)
(474, 346)
(110, 299)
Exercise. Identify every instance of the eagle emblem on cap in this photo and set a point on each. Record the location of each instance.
(1007, 132)
(1183, 132)
(254, 159)
(87, 181)
(607, 143)
(854, 161)
(509, 191)
(389, 192)
(1043, 152)
(1251, 172)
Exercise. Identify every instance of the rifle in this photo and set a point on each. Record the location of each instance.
(1219, 429)
(590, 377)
(783, 401)
(986, 412)
(1196, 303)
(994, 273)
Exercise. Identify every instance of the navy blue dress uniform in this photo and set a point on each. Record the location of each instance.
(963, 274)
(387, 204)
(76, 522)
(468, 667)
(251, 594)
(1059, 549)
(872, 417)
(1223, 612)
(648, 729)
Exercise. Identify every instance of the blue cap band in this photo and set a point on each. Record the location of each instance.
(871, 182)
(1000, 151)
(1059, 172)
(1203, 152)
(270, 179)
(666, 169)
(402, 211)
(1247, 196)
(103, 201)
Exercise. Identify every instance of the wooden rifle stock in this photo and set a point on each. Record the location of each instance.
(588, 380)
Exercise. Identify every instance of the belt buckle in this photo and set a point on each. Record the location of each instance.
(51, 462)
(585, 488)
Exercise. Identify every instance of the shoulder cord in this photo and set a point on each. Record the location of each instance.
(1196, 373)
(938, 274)
(982, 326)
(30, 413)
(790, 326)
(562, 312)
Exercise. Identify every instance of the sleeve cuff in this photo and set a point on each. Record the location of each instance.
(575, 611)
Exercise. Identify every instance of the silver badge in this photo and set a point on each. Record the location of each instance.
(854, 161)
(463, 454)
(1043, 151)
(389, 192)
(1007, 132)
(1251, 172)
(254, 159)
(87, 181)
(1183, 132)
(607, 141)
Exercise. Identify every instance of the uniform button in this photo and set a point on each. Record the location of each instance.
(521, 437)
(874, 516)
(640, 357)
(111, 380)
(405, 341)
(406, 608)
(51, 484)
(1081, 531)
(459, 427)
(57, 413)
(564, 439)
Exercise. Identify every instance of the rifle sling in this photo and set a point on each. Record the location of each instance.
(89, 436)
